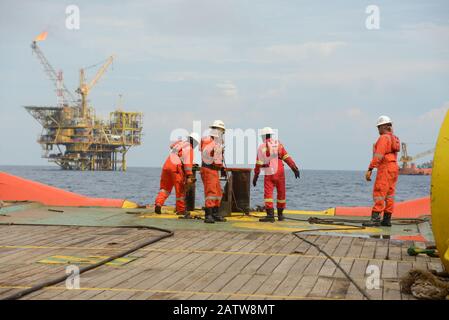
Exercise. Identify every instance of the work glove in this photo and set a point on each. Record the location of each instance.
(368, 175)
(296, 172)
(255, 179)
(223, 172)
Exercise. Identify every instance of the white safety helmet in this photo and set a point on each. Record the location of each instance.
(195, 136)
(218, 124)
(266, 130)
(214, 133)
(383, 120)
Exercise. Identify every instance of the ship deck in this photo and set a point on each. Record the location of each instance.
(238, 259)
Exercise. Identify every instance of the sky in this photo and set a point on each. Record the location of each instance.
(310, 69)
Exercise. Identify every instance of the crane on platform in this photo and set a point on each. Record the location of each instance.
(406, 159)
(55, 77)
(85, 88)
(83, 140)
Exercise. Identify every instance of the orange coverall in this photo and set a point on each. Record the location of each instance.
(177, 166)
(385, 154)
(212, 162)
(270, 157)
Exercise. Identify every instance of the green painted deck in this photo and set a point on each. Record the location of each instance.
(238, 259)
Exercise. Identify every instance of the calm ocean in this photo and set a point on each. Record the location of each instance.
(316, 190)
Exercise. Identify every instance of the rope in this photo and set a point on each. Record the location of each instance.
(427, 285)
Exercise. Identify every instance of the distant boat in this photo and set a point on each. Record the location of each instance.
(410, 168)
(414, 170)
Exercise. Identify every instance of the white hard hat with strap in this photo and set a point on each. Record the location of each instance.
(383, 120)
(195, 136)
(266, 130)
(218, 124)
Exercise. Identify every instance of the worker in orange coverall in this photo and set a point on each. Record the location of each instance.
(270, 156)
(385, 155)
(177, 173)
(212, 149)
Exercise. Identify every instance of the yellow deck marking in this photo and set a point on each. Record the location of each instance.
(328, 212)
(170, 214)
(129, 205)
(295, 226)
(254, 253)
(60, 259)
(179, 292)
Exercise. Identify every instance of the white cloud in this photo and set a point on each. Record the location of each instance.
(435, 115)
(114, 22)
(304, 50)
(427, 31)
(423, 128)
(353, 112)
(228, 89)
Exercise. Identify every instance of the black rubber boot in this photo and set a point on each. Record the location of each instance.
(208, 216)
(269, 217)
(281, 214)
(157, 209)
(217, 217)
(386, 221)
(374, 222)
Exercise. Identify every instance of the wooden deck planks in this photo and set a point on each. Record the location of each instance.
(206, 264)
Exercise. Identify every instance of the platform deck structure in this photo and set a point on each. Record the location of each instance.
(239, 259)
(84, 142)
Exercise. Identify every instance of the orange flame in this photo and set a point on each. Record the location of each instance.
(41, 37)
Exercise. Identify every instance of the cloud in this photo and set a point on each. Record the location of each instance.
(228, 89)
(427, 31)
(430, 120)
(114, 22)
(435, 115)
(304, 50)
(353, 112)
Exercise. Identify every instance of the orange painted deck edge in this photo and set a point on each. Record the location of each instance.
(407, 209)
(13, 188)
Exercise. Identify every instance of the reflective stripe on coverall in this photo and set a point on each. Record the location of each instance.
(177, 166)
(212, 162)
(385, 160)
(270, 157)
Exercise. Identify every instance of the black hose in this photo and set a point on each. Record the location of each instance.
(57, 280)
(363, 292)
(343, 221)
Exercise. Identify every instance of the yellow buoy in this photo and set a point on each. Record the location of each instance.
(440, 193)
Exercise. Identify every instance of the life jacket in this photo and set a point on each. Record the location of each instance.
(270, 155)
(392, 149)
(180, 157)
(211, 153)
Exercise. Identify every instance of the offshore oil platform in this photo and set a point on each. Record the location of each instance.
(72, 135)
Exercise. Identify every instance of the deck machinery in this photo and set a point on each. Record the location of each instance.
(73, 137)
